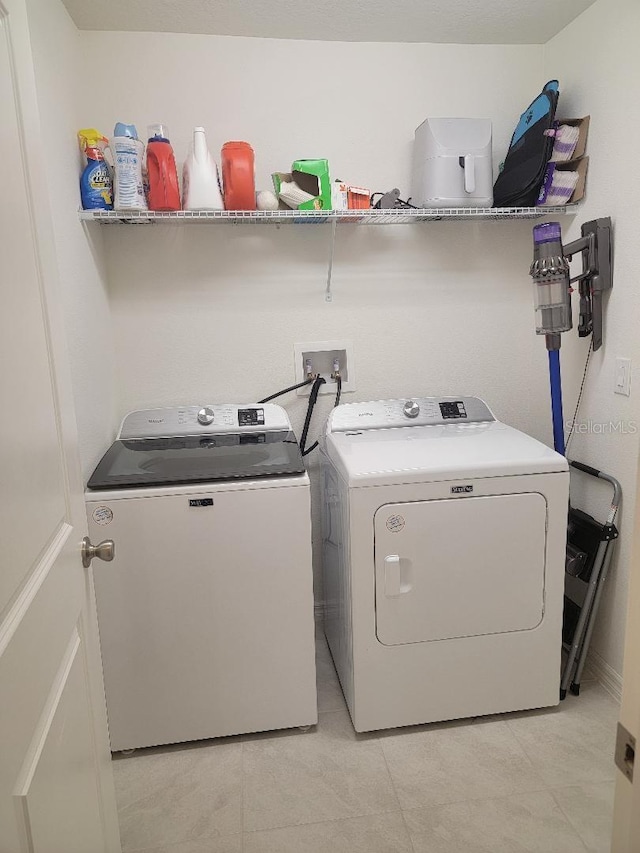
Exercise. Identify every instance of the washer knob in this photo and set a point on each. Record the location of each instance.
(206, 416)
(411, 409)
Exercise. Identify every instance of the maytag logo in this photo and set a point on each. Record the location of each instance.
(365, 414)
(200, 501)
(461, 490)
(155, 420)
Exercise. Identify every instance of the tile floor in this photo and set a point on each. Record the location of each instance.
(533, 782)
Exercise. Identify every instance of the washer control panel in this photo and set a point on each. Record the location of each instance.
(417, 411)
(202, 420)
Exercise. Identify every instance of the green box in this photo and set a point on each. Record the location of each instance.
(312, 176)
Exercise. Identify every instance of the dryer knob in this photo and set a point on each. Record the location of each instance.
(411, 409)
(206, 416)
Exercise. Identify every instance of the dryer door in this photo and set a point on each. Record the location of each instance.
(459, 567)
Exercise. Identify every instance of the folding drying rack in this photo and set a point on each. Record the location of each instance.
(590, 548)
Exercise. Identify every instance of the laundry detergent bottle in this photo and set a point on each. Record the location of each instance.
(164, 192)
(200, 181)
(127, 152)
(96, 183)
(238, 176)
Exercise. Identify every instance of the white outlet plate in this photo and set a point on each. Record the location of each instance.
(622, 381)
(322, 354)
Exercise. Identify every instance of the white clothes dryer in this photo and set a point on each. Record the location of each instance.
(444, 536)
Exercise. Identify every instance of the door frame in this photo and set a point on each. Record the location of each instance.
(626, 812)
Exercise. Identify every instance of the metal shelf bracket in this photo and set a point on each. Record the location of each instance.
(332, 246)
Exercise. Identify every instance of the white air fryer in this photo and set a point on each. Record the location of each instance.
(452, 163)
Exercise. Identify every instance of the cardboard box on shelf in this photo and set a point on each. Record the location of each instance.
(578, 163)
(580, 166)
(347, 197)
(312, 176)
(583, 127)
(358, 198)
(339, 196)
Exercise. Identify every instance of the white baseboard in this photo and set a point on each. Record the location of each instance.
(605, 674)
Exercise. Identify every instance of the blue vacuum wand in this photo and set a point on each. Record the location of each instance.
(552, 295)
(552, 299)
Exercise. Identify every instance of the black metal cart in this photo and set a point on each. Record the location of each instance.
(590, 546)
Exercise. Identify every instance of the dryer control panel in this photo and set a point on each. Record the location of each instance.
(416, 411)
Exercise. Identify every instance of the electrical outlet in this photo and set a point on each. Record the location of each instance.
(622, 381)
(319, 357)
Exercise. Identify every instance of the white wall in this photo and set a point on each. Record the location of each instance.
(355, 103)
(55, 43)
(206, 313)
(203, 313)
(596, 59)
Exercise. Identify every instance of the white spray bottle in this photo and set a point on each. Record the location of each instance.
(200, 181)
(127, 152)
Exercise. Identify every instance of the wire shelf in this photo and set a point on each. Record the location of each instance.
(318, 217)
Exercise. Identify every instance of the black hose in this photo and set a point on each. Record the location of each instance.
(286, 390)
(313, 396)
(307, 451)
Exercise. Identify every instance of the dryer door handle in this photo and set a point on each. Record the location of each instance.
(392, 576)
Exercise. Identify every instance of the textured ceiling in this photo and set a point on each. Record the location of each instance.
(447, 21)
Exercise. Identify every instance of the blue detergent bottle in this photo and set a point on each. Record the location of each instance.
(96, 185)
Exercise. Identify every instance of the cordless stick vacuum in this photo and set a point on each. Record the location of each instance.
(552, 295)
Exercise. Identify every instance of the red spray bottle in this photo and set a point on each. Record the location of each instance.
(164, 191)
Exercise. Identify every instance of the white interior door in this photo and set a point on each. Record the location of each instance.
(56, 789)
(626, 818)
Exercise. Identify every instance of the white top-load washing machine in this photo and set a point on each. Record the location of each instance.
(443, 555)
(206, 613)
